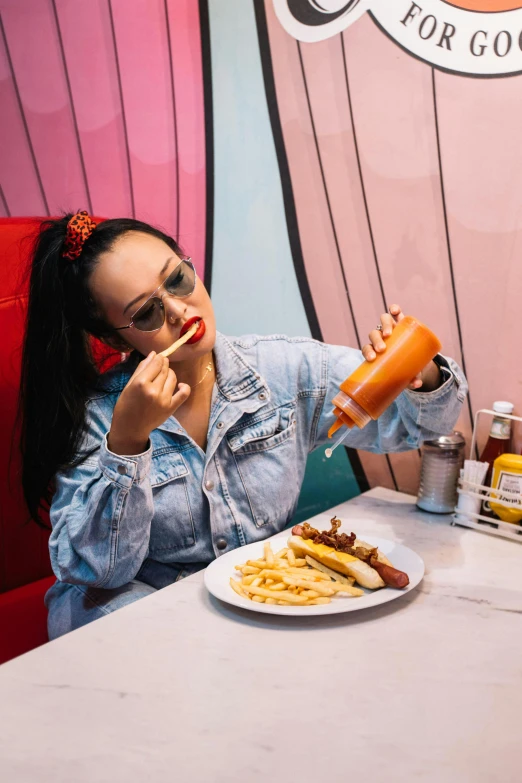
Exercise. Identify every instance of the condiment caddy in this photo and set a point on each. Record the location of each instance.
(480, 493)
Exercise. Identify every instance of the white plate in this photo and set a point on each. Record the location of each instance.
(218, 573)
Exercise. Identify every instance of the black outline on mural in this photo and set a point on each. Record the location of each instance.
(361, 178)
(321, 17)
(325, 188)
(439, 67)
(366, 210)
(24, 119)
(71, 105)
(447, 233)
(122, 104)
(284, 171)
(206, 59)
(4, 201)
(290, 210)
(174, 112)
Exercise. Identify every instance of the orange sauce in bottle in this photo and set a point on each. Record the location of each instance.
(373, 386)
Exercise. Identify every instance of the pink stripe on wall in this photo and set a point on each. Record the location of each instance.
(329, 95)
(184, 27)
(394, 114)
(18, 175)
(33, 42)
(327, 89)
(393, 107)
(317, 238)
(100, 84)
(85, 29)
(480, 124)
(144, 61)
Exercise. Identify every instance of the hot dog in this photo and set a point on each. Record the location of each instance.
(390, 576)
(347, 555)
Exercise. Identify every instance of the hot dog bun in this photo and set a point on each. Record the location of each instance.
(380, 557)
(363, 574)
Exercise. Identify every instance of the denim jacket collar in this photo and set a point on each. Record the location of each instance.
(236, 379)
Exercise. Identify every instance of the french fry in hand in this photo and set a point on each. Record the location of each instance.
(182, 340)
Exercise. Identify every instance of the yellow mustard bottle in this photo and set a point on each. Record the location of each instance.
(507, 476)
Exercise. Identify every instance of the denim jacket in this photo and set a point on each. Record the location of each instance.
(162, 514)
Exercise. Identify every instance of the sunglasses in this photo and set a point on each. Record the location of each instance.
(180, 283)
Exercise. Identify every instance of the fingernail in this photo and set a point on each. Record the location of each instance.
(151, 354)
(371, 355)
(386, 332)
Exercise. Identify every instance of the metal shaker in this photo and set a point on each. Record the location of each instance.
(442, 460)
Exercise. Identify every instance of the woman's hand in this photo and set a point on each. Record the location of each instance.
(429, 379)
(147, 401)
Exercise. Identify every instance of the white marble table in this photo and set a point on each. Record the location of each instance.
(181, 688)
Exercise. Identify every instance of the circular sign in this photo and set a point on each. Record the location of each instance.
(472, 37)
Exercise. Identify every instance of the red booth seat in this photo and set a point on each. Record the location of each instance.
(25, 570)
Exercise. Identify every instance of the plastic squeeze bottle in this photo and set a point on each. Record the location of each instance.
(373, 386)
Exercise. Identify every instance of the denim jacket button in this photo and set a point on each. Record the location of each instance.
(262, 396)
(220, 425)
(209, 485)
(122, 470)
(221, 543)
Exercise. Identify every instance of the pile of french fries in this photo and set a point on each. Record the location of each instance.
(282, 578)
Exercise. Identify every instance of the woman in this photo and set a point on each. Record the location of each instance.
(160, 465)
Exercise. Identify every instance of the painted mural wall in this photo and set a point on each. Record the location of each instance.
(318, 162)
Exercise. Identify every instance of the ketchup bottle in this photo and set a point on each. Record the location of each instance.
(373, 386)
(499, 441)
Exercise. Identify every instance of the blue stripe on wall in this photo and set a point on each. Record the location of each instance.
(254, 287)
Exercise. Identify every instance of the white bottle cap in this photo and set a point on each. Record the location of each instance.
(503, 407)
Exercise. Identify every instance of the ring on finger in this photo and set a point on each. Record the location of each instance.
(379, 328)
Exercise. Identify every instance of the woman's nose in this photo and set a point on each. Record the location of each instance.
(174, 308)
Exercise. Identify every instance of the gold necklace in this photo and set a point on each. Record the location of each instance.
(208, 369)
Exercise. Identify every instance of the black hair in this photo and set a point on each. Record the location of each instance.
(58, 367)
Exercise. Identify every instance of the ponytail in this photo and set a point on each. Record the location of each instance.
(58, 368)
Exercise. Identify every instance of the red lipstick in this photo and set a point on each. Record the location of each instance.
(199, 333)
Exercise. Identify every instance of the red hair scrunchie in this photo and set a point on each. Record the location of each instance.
(79, 229)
